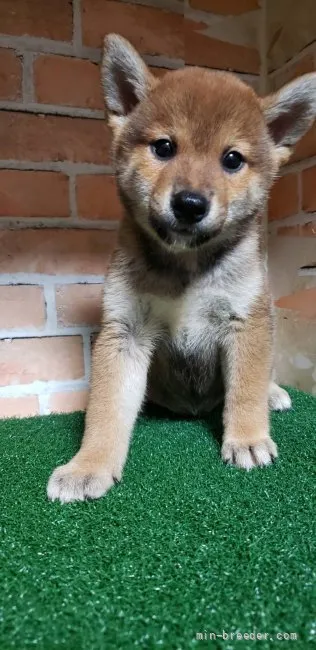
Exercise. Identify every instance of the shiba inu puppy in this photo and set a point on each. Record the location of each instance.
(187, 316)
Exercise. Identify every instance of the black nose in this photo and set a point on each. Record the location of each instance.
(189, 207)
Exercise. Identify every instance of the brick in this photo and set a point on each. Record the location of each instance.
(68, 402)
(309, 189)
(10, 75)
(210, 52)
(52, 137)
(54, 251)
(37, 18)
(225, 7)
(23, 361)
(303, 302)
(284, 200)
(306, 147)
(305, 65)
(67, 81)
(19, 407)
(300, 230)
(97, 197)
(21, 306)
(150, 30)
(56, 81)
(79, 304)
(33, 194)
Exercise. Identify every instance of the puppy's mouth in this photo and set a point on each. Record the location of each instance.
(185, 236)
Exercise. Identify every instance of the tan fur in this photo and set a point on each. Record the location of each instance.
(109, 420)
(229, 103)
(246, 415)
(187, 319)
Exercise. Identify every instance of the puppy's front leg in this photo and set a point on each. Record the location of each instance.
(118, 386)
(247, 369)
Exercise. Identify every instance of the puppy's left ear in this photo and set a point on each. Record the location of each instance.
(289, 113)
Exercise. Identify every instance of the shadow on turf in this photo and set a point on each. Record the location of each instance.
(213, 421)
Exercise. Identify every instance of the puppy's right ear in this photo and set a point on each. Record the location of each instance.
(126, 80)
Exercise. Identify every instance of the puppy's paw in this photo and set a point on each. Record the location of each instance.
(72, 483)
(248, 456)
(279, 399)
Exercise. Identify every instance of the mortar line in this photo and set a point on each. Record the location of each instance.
(43, 403)
(49, 331)
(27, 78)
(308, 49)
(67, 223)
(50, 305)
(42, 279)
(167, 5)
(73, 199)
(39, 45)
(39, 387)
(311, 270)
(298, 219)
(36, 44)
(51, 109)
(67, 167)
(263, 86)
(77, 28)
(263, 41)
(300, 192)
(298, 166)
(87, 354)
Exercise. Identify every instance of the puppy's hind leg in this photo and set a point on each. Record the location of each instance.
(279, 399)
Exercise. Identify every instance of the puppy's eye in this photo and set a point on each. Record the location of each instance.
(232, 161)
(163, 149)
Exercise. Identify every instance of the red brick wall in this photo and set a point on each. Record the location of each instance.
(292, 247)
(58, 204)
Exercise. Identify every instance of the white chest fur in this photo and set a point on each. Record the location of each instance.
(209, 302)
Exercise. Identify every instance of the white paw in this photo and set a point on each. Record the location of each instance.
(279, 399)
(70, 483)
(249, 456)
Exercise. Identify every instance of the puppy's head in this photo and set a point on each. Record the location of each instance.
(196, 152)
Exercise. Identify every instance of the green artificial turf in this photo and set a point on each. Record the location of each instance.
(184, 545)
